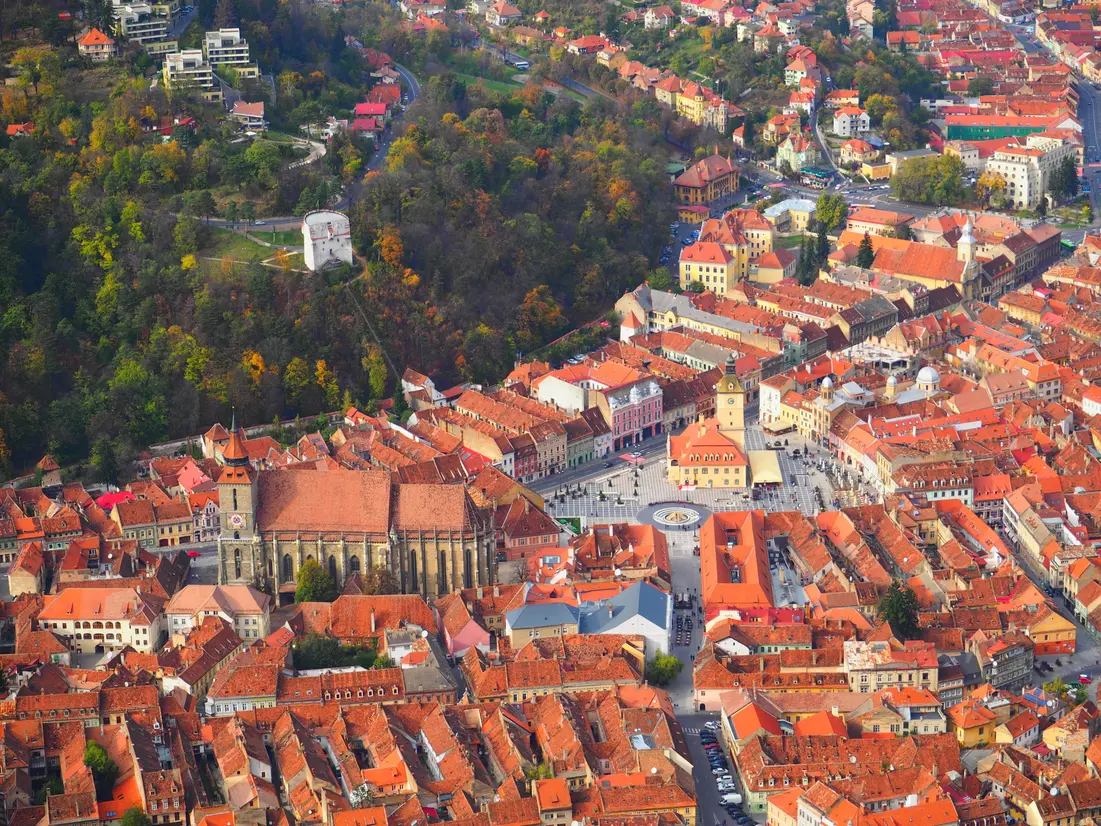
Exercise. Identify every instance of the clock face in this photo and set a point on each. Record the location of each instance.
(236, 520)
(730, 401)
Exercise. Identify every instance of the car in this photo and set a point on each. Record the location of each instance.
(1084, 679)
(258, 223)
(719, 771)
(711, 724)
(194, 554)
(636, 454)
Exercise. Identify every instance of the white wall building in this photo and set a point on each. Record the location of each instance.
(97, 620)
(327, 239)
(188, 69)
(1027, 169)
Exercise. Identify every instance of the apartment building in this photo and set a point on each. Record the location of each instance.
(1027, 169)
(226, 47)
(189, 70)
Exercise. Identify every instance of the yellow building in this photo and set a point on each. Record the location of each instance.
(972, 723)
(706, 180)
(709, 264)
(692, 103)
(711, 452)
(540, 619)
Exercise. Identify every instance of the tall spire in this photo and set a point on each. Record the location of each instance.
(235, 454)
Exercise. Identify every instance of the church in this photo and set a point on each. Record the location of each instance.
(711, 452)
(433, 538)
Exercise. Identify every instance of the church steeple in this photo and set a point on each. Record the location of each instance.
(235, 454)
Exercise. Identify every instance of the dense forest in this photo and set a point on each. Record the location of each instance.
(495, 224)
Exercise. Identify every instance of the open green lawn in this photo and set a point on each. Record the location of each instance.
(226, 243)
(288, 238)
(491, 85)
(791, 242)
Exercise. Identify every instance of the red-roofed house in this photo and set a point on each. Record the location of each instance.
(96, 46)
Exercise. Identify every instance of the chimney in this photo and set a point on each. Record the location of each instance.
(610, 612)
(479, 592)
(496, 590)
(372, 620)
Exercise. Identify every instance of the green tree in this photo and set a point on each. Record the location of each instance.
(1041, 207)
(933, 180)
(1056, 687)
(821, 248)
(134, 816)
(384, 662)
(831, 210)
(104, 460)
(899, 607)
(542, 771)
(104, 770)
(52, 785)
(296, 380)
(980, 86)
(865, 256)
(380, 580)
(663, 669)
(660, 279)
(313, 584)
(1069, 182)
(317, 651)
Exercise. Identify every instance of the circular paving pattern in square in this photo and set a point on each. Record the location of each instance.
(674, 515)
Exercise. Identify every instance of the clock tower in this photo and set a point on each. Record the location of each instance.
(730, 404)
(238, 541)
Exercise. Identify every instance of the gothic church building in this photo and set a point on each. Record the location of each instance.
(433, 538)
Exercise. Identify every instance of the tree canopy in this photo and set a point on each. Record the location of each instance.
(104, 770)
(313, 584)
(663, 669)
(899, 607)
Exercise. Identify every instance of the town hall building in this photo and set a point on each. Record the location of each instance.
(711, 452)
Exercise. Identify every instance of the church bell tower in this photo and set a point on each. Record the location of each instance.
(730, 404)
(239, 547)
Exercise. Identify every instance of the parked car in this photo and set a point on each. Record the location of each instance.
(1084, 680)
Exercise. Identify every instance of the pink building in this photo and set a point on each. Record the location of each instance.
(629, 399)
(458, 630)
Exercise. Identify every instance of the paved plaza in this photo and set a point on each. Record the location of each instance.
(631, 491)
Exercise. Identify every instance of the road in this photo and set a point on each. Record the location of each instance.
(822, 141)
(293, 222)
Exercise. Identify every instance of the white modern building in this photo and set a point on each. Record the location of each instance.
(226, 47)
(850, 121)
(189, 70)
(326, 239)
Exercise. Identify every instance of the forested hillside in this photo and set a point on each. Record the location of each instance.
(494, 224)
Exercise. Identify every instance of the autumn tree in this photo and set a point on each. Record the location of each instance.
(990, 188)
(540, 316)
